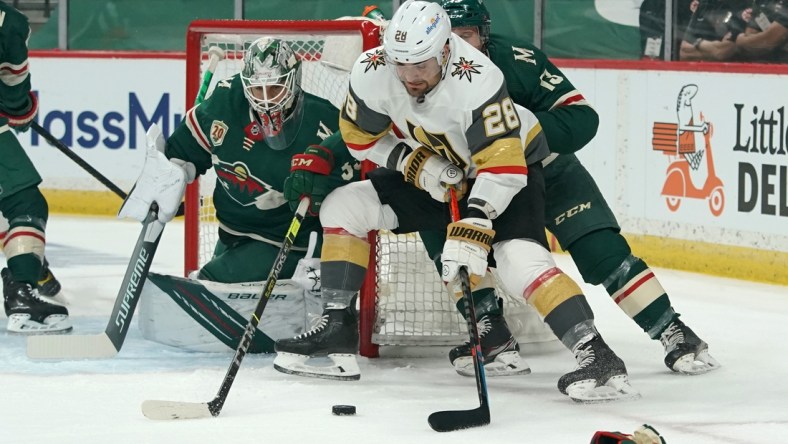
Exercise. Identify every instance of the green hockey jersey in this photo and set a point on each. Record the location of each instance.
(536, 83)
(14, 74)
(223, 134)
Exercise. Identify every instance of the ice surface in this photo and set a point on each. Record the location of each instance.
(99, 401)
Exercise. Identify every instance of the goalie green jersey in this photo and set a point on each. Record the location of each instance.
(536, 83)
(223, 134)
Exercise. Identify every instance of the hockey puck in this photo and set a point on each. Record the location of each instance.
(343, 410)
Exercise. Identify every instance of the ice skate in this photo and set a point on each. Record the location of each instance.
(28, 312)
(685, 352)
(335, 337)
(500, 350)
(48, 285)
(601, 376)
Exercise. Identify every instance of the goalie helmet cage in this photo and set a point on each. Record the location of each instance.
(403, 302)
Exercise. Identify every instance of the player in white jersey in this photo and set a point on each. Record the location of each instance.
(460, 128)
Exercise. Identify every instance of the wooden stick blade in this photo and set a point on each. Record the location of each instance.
(170, 410)
(70, 347)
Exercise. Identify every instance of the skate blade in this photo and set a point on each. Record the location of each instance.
(345, 366)
(696, 364)
(53, 324)
(505, 364)
(617, 388)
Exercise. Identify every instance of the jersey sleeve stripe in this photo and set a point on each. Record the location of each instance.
(194, 128)
(357, 139)
(571, 98)
(504, 153)
(13, 75)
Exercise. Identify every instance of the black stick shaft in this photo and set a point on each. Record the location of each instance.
(215, 406)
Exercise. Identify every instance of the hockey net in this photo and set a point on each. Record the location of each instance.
(403, 301)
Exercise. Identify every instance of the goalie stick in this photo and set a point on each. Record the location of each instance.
(109, 343)
(451, 420)
(163, 410)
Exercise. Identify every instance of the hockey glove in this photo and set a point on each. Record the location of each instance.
(309, 174)
(22, 122)
(431, 173)
(468, 243)
(162, 181)
(644, 435)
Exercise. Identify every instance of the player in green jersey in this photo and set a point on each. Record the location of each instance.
(248, 131)
(592, 237)
(257, 130)
(21, 203)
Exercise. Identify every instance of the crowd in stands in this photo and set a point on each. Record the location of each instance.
(718, 30)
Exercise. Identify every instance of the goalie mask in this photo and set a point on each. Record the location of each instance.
(271, 79)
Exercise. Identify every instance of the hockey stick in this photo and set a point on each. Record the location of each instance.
(450, 420)
(154, 409)
(108, 344)
(78, 160)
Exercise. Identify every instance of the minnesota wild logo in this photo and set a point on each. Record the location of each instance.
(245, 188)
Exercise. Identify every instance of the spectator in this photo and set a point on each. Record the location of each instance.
(766, 36)
(652, 26)
(713, 29)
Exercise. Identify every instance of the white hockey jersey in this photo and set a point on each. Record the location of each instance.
(467, 118)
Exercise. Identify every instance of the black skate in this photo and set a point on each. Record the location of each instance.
(48, 285)
(685, 352)
(28, 312)
(335, 337)
(601, 376)
(500, 350)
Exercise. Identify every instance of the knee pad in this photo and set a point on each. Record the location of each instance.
(356, 209)
(520, 262)
(27, 213)
(598, 254)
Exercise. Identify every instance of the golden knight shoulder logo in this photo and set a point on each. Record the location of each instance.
(686, 144)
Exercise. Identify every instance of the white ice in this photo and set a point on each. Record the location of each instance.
(745, 323)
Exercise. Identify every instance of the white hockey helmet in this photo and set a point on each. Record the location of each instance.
(418, 31)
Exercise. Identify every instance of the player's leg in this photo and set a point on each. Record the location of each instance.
(499, 347)
(26, 210)
(347, 215)
(526, 267)
(243, 259)
(583, 223)
(48, 285)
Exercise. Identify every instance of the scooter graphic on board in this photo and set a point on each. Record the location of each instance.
(686, 168)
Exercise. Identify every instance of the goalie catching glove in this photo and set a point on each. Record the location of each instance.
(429, 172)
(468, 243)
(162, 181)
(309, 174)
